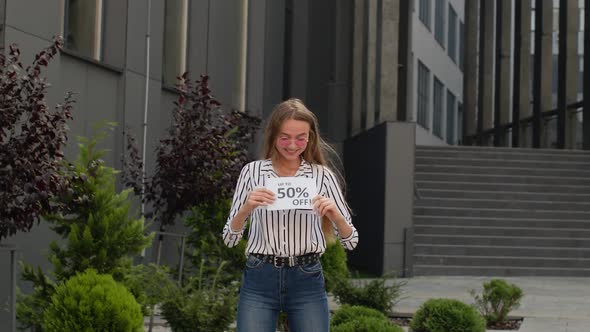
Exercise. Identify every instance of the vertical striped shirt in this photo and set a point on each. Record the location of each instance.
(285, 232)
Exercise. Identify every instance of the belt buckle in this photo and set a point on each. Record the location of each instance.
(275, 261)
(291, 261)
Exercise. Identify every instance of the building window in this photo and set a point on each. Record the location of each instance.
(461, 44)
(451, 99)
(452, 46)
(423, 94)
(439, 22)
(83, 27)
(437, 107)
(424, 13)
(175, 40)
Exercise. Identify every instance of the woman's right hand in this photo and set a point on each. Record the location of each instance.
(260, 197)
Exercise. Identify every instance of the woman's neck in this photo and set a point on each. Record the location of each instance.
(285, 167)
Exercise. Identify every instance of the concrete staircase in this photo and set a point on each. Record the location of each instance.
(501, 212)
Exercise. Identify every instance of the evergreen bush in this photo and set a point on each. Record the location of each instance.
(447, 315)
(205, 243)
(92, 302)
(334, 264)
(376, 294)
(497, 300)
(361, 319)
(202, 305)
(99, 231)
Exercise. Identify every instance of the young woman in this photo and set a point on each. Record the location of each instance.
(283, 271)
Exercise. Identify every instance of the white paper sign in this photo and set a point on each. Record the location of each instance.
(291, 192)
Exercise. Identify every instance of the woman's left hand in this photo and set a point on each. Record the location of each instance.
(325, 206)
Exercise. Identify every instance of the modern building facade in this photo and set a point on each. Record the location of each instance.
(381, 75)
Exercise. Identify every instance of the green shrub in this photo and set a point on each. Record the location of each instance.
(204, 243)
(367, 324)
(351, 312)
(361, 319)
(497, 300)
(334, 264)
(98, 228)
(150, 284)
(201, 305)
(447, 315)
(92, 302)
(375, 294)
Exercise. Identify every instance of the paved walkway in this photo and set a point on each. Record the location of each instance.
(549, 304)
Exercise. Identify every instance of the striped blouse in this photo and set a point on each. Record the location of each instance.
(285, 232)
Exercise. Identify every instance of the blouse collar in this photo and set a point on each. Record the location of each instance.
(303, 170)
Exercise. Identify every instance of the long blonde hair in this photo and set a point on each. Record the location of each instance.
(314, 153)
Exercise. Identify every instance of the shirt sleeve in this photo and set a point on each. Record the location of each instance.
(331, 189)
(230, 236)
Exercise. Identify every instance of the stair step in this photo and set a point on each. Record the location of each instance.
(458, 270)
(499, 154)
(502, 231)
(508, 251)
(549, 163)
(532, 262)
(507, 150)
(506, 195)
(527, 241)
(500, 222)
(502, 186)
(500, 169)
(500, 213)
(503, 204)
(496, 178)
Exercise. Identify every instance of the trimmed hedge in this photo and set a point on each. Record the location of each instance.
(447, 315)
(361, 319)
(92, 302)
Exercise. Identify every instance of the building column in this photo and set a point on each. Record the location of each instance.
(502, 86)
(521, 103)
(568, 52)
(470, 71)
(586, 111)
(542, 81)
(388, 64)
(372, 99)
(486, 69)
(358, 51)
(340, 76)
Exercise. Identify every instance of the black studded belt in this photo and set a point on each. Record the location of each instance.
(288, 261)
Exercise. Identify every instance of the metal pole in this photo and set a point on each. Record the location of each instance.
(145, 119)
(13, 289)
(12, 283)
(145, 105)
(180, 268)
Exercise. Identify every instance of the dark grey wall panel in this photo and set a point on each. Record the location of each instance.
(39, 18)
(198, 37)
(224, 50)
(365, 176)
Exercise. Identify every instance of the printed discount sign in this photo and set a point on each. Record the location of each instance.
(291, 192)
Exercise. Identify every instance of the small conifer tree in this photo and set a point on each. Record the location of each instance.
(99, 231)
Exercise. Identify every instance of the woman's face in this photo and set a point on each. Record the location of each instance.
(292, 139)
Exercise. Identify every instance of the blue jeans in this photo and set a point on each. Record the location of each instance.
(267, 290)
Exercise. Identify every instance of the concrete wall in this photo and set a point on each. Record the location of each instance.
(244, 74)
